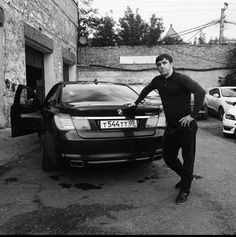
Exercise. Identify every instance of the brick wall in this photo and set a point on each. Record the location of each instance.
(203, 63)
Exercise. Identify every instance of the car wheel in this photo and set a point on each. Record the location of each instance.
(210, 111)
(220, 113)
(205, 115)
(50, 159)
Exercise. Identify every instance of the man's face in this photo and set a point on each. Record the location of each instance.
(164, 67)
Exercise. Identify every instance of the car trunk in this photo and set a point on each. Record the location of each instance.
(114, 121)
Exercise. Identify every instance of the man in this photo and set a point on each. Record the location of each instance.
(175, 91)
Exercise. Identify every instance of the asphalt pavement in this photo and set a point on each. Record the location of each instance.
(13, 149)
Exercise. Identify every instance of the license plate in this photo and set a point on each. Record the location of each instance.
(109, 124)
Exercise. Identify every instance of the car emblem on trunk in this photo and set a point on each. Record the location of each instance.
(120, 111)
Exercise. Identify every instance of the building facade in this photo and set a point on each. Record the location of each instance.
(38, 47)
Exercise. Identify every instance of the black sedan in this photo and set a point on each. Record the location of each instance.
(84, 123)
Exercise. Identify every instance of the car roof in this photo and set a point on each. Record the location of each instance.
(95, 81)
(219, 87)
(227, 86)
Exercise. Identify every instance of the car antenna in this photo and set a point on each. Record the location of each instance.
(95, 81)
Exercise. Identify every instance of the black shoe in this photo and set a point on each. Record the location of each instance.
(179, 184)
(182, 196)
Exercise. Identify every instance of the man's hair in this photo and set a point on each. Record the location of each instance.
(164, 56)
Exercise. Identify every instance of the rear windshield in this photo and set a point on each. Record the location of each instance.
(100, 92)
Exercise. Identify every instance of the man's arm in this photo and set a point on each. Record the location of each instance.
(198, 91)
(199, 95)
(146, 90)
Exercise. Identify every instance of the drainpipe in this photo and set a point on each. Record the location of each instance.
(2, 84)
(77, 42)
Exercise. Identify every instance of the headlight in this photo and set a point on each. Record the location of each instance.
(230, 116)
(229, 102)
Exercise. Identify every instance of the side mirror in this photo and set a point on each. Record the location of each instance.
(52, 103)
(216, 96)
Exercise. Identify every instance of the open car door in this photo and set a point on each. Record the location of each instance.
(25, 112)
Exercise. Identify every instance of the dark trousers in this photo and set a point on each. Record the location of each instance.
(184, 138)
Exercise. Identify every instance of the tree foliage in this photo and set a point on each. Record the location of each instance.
(229, 80)
(155, 29)
(88, 20)
(172, 40)
(105, 33)
(131, 29)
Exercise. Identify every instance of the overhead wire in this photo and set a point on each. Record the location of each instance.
(188, 31)
(188, 40)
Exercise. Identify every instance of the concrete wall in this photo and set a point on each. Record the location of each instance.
(203, 63)
(206, 79)
(50, 26)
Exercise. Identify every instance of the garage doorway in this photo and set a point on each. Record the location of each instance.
(35, 71)
(65, 71)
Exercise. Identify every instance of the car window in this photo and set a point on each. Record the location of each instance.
(211, 92)
(214, 91)
(228, 92)
(99, 92)
(52, 94)
(26, 96)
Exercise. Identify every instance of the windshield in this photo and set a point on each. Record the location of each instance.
(99, 92)
(228, 92)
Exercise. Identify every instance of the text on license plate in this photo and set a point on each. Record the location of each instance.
(109, 124)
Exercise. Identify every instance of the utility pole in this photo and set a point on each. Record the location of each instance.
(222, 19)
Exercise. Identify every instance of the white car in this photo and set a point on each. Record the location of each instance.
(229, 122)
(220, 99)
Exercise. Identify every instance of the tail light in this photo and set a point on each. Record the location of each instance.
(152, 122)
(161, 120)
(81, 123)
(63, 122)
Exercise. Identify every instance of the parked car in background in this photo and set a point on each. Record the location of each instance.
(154, 97)
(84, 123)
(229, 122)
(220, 99)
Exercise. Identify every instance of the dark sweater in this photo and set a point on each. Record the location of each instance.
(175, 93)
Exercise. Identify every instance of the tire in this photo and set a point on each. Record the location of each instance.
(210, 111)
(205, 115)
(220, 113)
(50, 158)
